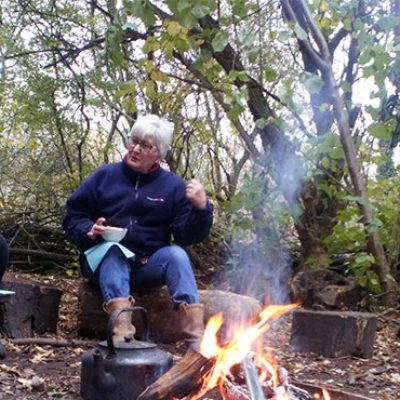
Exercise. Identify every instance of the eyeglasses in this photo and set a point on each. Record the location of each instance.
(145, 147)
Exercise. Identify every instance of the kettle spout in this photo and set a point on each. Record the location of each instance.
(103, 380)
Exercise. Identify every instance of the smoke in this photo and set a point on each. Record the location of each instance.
(261, 261)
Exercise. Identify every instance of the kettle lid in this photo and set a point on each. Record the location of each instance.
(129, 345)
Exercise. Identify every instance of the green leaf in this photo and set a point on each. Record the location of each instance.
(336, 153)
(128, 104)
(173, 5)
(359, 200)
(270, 74)
(253, 54)
(300, 32)
(388, 22)
(187, 19)
(285, 35)
(144, 11)
(247, 39)
(235, 111)
(168, 48)
(312, 82)
(261, 123)
(220, 41)
(200, 10)
(240, 8)
(125, 88)
(365, 57)
(182, 45)
(174, 28)
(116, 56)
(242, 75)
(369, 71)
(374, 225)
(379, 130)
(183, 6)
(149, 18)
(347, 86)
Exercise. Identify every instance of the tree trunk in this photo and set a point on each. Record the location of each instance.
(288, 168)
(298, 11)
(375, 247)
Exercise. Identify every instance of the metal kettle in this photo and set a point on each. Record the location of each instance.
(122, 371)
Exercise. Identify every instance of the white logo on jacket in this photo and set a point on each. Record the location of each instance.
(154, 199)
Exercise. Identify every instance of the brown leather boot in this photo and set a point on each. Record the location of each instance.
(192, 324)
(123, 329)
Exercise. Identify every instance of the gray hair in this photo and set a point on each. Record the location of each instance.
(152, 125)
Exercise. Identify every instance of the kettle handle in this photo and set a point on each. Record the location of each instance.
(113, 320)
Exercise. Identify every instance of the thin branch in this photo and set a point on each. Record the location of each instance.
(315, 32)
(306, 45)
(42, 254)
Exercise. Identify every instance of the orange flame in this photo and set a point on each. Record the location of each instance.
(245, 341)
(326, 394)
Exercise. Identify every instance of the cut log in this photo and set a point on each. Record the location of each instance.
(163, 319)
(324, 287)
(182, 379)
(335, 393)
(33, 309)
(338, 295)
(334, 333)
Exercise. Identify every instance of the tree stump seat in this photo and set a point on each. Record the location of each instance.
(334, 333)
(32, 310)
(163, 319)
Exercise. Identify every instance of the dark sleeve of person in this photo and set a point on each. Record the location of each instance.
(80, 216)
(191, 225)
(4, 255)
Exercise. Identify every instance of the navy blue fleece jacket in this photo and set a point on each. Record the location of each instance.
(152, 206)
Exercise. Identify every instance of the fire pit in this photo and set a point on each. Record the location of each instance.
(243, 369)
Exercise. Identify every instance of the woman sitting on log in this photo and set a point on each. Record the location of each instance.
(155, 206)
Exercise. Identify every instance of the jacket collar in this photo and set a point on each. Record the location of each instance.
(149, 176)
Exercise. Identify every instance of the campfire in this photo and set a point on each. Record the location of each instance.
(242, 369)
(244, 358)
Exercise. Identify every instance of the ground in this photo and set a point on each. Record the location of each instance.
(53, 372)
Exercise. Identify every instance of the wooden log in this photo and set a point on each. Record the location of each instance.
(33, 308)
(183, 378)
(334, 333)
(163, 319)
(42, 254)
(92, 320)
(54, 342)
(335, 393)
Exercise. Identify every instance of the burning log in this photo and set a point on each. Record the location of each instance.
(258, 391)
(182, 379)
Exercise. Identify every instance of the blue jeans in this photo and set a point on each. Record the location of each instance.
(119, 277)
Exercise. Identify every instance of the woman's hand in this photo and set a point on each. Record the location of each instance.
(97, 228)
(196, 194)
